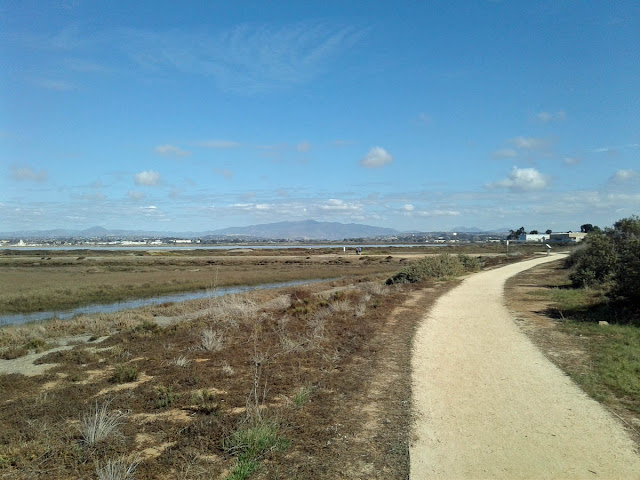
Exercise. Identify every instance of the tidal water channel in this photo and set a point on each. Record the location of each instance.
(22, 318)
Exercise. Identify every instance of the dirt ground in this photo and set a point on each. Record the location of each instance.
(490, 405)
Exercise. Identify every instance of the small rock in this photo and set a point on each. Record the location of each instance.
(602, 322)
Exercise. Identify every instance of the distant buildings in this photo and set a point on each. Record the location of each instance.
(568, 237)
(533, 237)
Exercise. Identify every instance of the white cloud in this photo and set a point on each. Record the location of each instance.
(505, 153)
(546, 117)
(95, 196)
(571, 161)
(218, 144)
(27, 173)
(624, 175)
(334, 204)
(377, 157)
(528, 143)
(171, 150)
(523, 179)
(135, 195)
(438, 213)
(408, 207)
(303, 146)
(614, 149)
(148, 178)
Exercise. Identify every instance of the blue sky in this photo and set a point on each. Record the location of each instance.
(193, 116)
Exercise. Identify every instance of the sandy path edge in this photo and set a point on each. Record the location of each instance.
(488, 404)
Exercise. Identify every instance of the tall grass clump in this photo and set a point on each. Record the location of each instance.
(233, 308)
(99, 423)
(118, 469)
(211, 341)
(437, 267)
(252, 441)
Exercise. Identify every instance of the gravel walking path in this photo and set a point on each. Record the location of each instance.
(489, 405)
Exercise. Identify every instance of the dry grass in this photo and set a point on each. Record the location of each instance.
(232, 309)
(211, 341)
(274, 343)
(29, 284)
(99, 423)
(117, 469)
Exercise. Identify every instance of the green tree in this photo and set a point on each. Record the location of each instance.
(533, 232)
(587, 228)
(514, 234)
(549, 231)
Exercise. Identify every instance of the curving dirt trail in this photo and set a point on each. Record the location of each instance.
(489, 405)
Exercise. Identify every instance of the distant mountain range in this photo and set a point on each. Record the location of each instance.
(309, 230)
(300, 230)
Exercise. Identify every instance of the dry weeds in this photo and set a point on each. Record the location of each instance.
(292, 344)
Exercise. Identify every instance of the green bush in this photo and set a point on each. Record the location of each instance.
(611, 259)
(595, 263)
(435, 267)
(124, 374)
(627, 272)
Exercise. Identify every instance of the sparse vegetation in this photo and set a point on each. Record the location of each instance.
(302, 396)
(165, 396)
(99, 423)
(124, 374)
(190, 398)
(211, 340)
(437, 267)
(118, 469)
(250, 442)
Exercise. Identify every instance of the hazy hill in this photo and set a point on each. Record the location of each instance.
(303, 230)
(308, 230)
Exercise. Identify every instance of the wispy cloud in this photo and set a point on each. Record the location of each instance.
(334, 204)
(245, 59)
(148, 178)
(522, 179)
(571, 161)
(529, 143)
(217, 144)
(52, 84)
(622, 176)
(614, 149)
(425, 119)
(135, 195)
(546, 117)
(505, 153)
(171, 151)
(303, 146)
(228, 174)
(376, 158)
(28, 173)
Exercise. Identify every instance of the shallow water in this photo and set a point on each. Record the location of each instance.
(21, 318)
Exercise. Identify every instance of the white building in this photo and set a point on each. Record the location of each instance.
(570, 237)
(534, 237)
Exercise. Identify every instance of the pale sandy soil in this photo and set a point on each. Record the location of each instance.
(489, 405)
